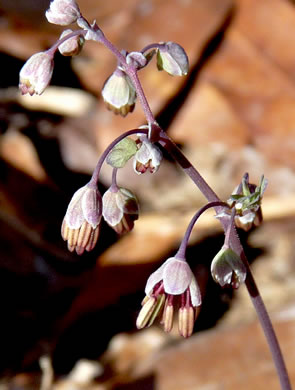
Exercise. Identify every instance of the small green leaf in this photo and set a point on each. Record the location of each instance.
(121, 153)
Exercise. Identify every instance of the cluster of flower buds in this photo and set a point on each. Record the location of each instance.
(247, 202)
(118, 92)
(118, 206)
(81, 224)
(36, 73)
(172, 286)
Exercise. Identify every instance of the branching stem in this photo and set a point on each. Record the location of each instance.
(157, 134)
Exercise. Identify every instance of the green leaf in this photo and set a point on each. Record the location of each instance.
(121, 153)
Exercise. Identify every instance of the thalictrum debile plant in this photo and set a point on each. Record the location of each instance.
(173, 288)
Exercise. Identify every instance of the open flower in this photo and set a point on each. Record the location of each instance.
(81, 223)
(120, 209)
(227, 268)
(118, 93)
(36, 74)
(148, 157)
(172, 285)
(63, 12)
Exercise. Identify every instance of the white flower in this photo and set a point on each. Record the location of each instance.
(172, 285)
(177, 278)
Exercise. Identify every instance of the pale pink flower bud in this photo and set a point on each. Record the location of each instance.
(148, 157)
(63, 12)
(82, 220)
(119, 94)
(172, 58)
(120, 209)
(227, 268)
(172, 285)
(72, 46)
(36, 74)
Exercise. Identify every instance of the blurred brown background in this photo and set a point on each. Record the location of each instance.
(234, 112)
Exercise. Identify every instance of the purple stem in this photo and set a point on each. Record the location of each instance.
(230, 228)
(182, 248)
(152, 46)
(130, 69)
(235, 243)
(114, 185)
(132, 73)
(51, 51)
(188, 168)
(95, 175)
(262, 314)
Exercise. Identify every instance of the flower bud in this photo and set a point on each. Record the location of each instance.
(247, 199)
(120, 209)
(82, 220)
(172, 58)
(63, 12)
(36, 74)
(72, 46)
(119, 93)
(227, 268)
(148, 157)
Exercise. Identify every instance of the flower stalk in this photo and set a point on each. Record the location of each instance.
(174, 278)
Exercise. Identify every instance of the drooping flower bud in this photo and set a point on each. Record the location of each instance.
(173, 285)
(72, 46)
(120, 209)
(36, 74)
(227, 268)
(63, 12)
(148, 157)
(172, 58)
(81, 223)
(119, 93)
(247, 199)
